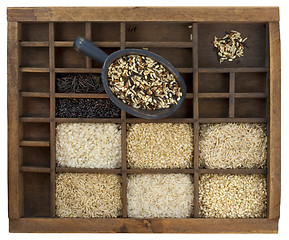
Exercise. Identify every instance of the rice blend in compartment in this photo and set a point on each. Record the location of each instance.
(233, 145)
(232, 196)
(160, 196)
(88, 195)
(160, 145)
(88, 145)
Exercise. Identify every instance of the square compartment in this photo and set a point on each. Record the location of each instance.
(250, 107)
(34, 32)
(185, 111)
(36, 191)
(213, 82)
(34, 57)
(36, 156)
(69, 31)
(68, 58)
(213, 107)
(101, 32)
(254, 55)
(35, 107)
(35, 82)
(34, 131)
(158, 32)
(251, 82)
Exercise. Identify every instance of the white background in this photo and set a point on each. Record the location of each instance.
(284, 15)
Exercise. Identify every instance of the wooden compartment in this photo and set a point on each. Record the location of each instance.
(40, 47)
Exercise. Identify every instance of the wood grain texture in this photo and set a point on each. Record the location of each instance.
(14, 177)
(170, 14)
(144, 225)
(275, 122)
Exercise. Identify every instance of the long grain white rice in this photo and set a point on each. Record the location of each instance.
(88, 145)
(232, 196)
(87, 195)
(233, 145)
(160, 196)
(160, 145)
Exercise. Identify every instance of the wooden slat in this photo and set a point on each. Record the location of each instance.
(80, 95)
(34, 169)
(88, 170)
(130, 225)
(233, 171)
(33, 69)
(99, 44)
(35, 94)
(168, 14)
(88, 61)
(160, 171)
(163, 120)
(34, 44)
(251, 95)
(229, 120)
(213, 95)
(275, 122)
(89, 120)
(15, 196)
(52, 118)
(232, 95)
(185, 70)
(34, 143)
(78, 70)
(160, 44)
(227, 70)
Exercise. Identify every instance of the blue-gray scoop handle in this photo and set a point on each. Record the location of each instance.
(87, 48)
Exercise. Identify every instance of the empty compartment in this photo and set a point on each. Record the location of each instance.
(69, 31)
(250, 82)
(102, 32)
(254, 54)
(35, 82)
(36, 156)
(250, 108)
(34, 131)
(213, 107)
(108, 50)
(178, 57)
(36, 191)
(35, 107)
(68, 58)
(188, 78)
(213, 82)
(34, 32)
(158, 32)
(34, 57)
(185, 110)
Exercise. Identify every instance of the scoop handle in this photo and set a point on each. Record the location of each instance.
(87, 48)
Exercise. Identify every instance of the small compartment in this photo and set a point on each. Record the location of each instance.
(36, 156)
(35, 131)
(250, 82)
(158, 32)
(105, 32)
(36, 191)
(213, 107)
(34, 57)
(108, 50)
(178, 57)
(188, 78)
(250, 108)
(34, 32)
(213, 83)
(69, 31)
(35, 107)
(185, 111)
(68, 58)
(35, 82)
(254, 54)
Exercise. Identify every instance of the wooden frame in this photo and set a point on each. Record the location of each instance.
(48, 65)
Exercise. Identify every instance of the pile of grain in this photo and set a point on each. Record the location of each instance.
(160, 196)
(233, 145)
(88, 145)
(88, 195)
(160, 145)
(232, 196)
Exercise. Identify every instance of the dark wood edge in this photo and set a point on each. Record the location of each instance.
(275, 122)
(171, 14)
(87, 170)
(129, 225)
(14, 177)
